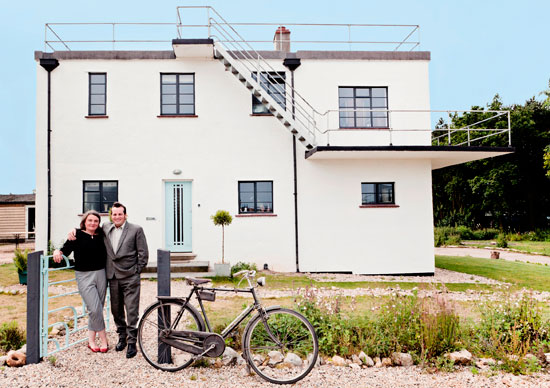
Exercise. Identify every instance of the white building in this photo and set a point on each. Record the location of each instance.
(175, 135)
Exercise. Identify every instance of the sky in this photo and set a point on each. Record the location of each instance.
(478, 49)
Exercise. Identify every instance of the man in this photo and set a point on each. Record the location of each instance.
(127, 255)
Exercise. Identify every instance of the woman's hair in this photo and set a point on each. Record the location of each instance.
(85, 217)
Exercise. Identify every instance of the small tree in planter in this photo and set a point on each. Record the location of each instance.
(20, 262)
(223, 218)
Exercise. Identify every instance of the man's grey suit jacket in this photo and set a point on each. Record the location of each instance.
(132, 254)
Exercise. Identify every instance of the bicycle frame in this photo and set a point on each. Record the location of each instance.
(238, 320)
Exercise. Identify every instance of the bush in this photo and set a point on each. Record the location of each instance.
(11, 336)
(501, 241)
(242, 266)
(20, 259)
(485, 234)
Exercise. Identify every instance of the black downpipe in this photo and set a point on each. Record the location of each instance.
(49, 65)
(293, 64)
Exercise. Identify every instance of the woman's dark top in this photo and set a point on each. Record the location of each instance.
(89, 251)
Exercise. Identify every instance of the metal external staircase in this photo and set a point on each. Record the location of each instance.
(246, 64)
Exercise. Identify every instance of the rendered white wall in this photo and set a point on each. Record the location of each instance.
(221, 146)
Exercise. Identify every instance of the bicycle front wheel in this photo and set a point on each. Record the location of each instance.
(283, 348)
(161, 317)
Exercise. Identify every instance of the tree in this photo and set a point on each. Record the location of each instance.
(222, 217)
(508, 191)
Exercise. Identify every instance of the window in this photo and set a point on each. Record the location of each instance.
(274, 83)
(358, 107)
(97, 101)
(99, 195)
(256, 197)
(177, 94)
(377, 193)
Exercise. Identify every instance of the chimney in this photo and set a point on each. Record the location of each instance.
(281, 40)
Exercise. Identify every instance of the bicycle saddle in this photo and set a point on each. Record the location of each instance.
(196, 281)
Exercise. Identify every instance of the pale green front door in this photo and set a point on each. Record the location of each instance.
(178, 216)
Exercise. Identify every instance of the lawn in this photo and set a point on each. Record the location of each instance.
(531, 276)
(535, 247)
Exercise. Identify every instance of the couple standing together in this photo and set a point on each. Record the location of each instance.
(115, 253)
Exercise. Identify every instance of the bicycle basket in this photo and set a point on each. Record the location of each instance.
(209, 296)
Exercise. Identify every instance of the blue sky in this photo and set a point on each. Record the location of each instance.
(479, 48)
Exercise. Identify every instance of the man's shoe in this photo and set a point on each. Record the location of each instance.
(121, 344)
(131, 351)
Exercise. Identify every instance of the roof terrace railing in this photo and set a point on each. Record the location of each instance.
(196, 20)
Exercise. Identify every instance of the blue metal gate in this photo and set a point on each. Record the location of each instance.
(38, 318)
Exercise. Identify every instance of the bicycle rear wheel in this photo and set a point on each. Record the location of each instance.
(283, 349)
(159, 317)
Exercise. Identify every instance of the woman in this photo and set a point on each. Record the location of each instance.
(90, 257)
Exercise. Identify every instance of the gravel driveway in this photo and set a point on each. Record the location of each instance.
(485, 253)
(77, 367)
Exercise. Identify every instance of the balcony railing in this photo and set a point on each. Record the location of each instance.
(421, 127)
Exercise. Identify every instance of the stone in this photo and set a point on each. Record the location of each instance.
(240, 360)
(463, 357)
(3, 360)
(229, 356)
(16, 358)
(59, 326)
(402, 359)
(354, 366)
(275, 357)
(218, 363)
(386, 361)
(23, 349)
(317, 362)
(484, 363)
(356, 360)
(293, 359)
(338, 361)
(377, 362)
(258, 359)
(547, 357)
(54, 332)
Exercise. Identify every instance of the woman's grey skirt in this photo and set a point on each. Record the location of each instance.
(92, 286)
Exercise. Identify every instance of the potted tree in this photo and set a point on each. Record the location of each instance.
(223, 218)
(20, 261)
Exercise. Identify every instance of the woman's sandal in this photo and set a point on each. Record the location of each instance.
(104, 350)
(95, 350)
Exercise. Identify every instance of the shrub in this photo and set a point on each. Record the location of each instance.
(465, 233)
(512, 328)
(485, 234)
(501, 241)
(11, 336)
(242, 266)
(20, 259)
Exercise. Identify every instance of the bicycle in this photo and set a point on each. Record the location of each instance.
(280, 345)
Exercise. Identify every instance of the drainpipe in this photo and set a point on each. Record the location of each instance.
(293, 64)
(49, 64)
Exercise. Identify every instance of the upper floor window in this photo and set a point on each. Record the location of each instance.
(359, 105)
(177, 94)
(97, 101)
(274, 83)
(99, 195)
(256, 197)
(377, 193)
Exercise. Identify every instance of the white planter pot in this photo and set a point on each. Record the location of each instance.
(222, 269)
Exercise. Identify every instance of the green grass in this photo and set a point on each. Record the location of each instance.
(532, 276)
(535, 247)
(294, 281)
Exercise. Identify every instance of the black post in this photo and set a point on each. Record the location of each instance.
(49, 64)
(33, 308)
(163, 289)
(163, 272)
(293, 64)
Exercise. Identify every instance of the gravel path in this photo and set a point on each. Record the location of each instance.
(485, 253)
(78, 367)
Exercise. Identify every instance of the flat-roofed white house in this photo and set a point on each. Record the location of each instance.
(324, 159)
